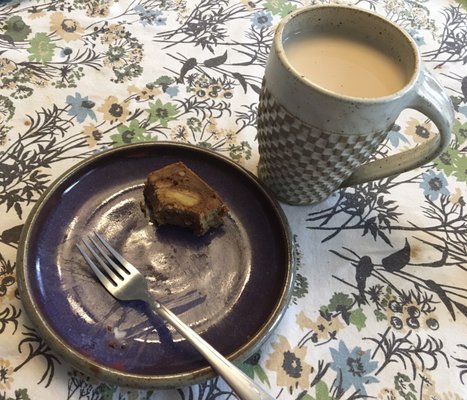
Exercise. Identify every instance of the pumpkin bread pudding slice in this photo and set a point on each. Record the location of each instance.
(176, 195)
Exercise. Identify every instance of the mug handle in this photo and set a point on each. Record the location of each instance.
(431, 100)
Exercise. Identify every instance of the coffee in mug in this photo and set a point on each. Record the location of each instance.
(344, 64)
(336, 80)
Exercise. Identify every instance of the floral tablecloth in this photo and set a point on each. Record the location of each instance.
(379, 307)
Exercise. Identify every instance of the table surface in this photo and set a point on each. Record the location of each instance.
(379, 305)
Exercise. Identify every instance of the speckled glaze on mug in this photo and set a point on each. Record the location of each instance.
(313, 141)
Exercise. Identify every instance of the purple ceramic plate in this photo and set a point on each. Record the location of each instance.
(232, 285)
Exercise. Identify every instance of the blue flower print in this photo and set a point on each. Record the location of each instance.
(434, 184)
(160, 19)
(150, 17)
(463, 110)
(417, 36)
(395, 136)
(261, 19)
(353, 368)
(172, 91)
(80, 107)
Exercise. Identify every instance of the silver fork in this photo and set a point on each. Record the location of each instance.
(125, 282)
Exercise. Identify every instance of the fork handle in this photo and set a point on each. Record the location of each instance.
(243, 386)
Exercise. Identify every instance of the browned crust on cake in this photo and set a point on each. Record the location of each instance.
(176, 195)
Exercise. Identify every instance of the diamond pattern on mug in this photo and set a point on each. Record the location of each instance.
(303, 164)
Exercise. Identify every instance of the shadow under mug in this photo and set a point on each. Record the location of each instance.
(312, 140)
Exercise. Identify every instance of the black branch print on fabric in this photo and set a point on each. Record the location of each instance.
(366, 208)
(9, 313)
(24, 165)
(82, 387)
(205, 26)
(392, 268)
(32, 345)
(204, 391)
(409, 351)
(202, 29)
(453, 43)
(462, 363)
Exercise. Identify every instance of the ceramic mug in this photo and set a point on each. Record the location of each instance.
(313, 140)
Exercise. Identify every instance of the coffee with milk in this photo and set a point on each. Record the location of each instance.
(346, 65)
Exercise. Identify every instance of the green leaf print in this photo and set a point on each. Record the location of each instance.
(248, 369)
(358, 318)
(237, 151)
(16, 29)
(340, 301)
(300, 288)
(461, 172)
(41, 48)
(447, 161)
(280, 7)
(252, 368)
(131, 133)
(380, 316)
(259, 372)
(106, 391)
(452, 161)
(20, 394)
(460, 131)
(405, 387)
(161, 112)
(322, 391)
(463, 3)
(164, 82)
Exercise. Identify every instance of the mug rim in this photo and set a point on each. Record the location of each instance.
(280, 52)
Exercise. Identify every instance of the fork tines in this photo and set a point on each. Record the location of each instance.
(104, 260)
